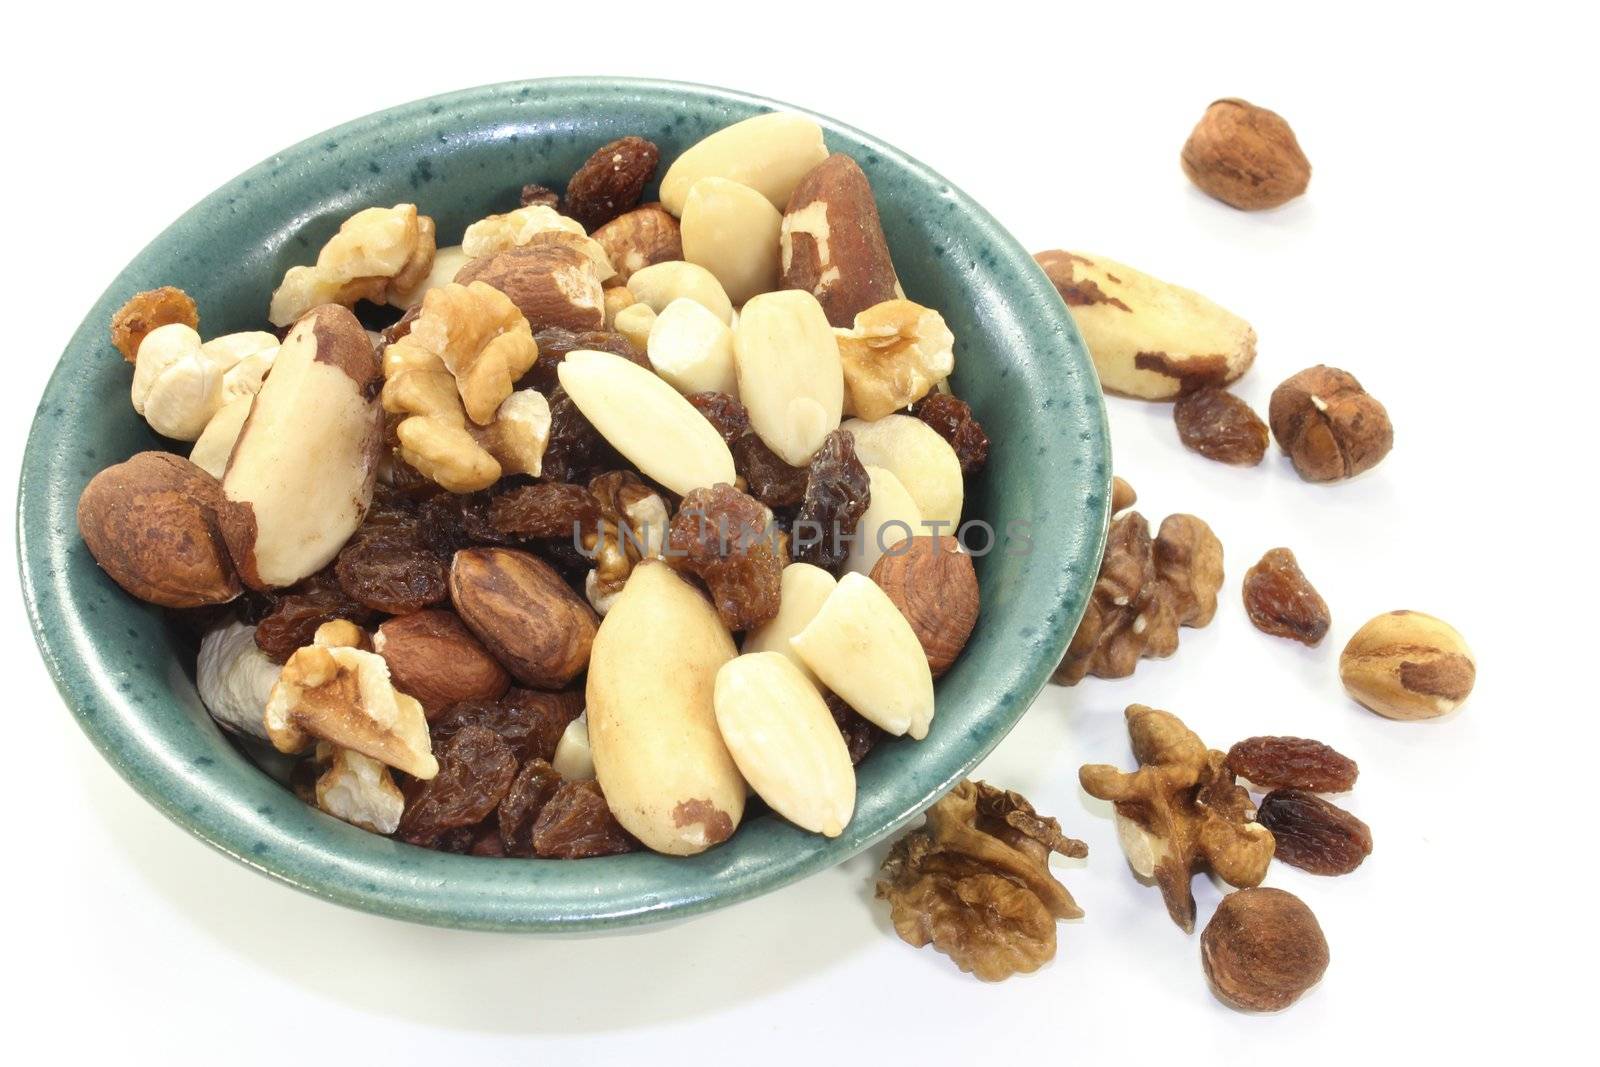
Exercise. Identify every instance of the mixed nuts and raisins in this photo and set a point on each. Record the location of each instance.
(436, 562)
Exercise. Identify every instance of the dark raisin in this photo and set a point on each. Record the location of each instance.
(449, 522)
(724, 412)
(767, 477)
(545, 509)
(556, 341)
(295, 616)
(722, 536)
(535, 784)
(475, 771)
(1220, 426)
(1313, 834)
(860, 735)
(539, 196)
(836, 496)
(952, 419)
(1280, 601)
(530, 721)
(567, 558)
(611, 180)
(576, 823)
(392, 570)
(460, 840)
(1292, 763)
(488, 843)
(575, 451)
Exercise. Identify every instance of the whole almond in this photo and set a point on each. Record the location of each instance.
(934, 585)
(785, 742)
(647, 420)
(770, 153)
(525, 615)
(732, 231)
(551, 284)
(1246, 156)
(790, 376)
(433, 657)
(151, 524)
(833, 245)
(863, 649)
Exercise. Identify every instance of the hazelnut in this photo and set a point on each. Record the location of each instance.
(1122, 496)
(1407, 665)
(933, 584)
(151, 524)
(432, 656)
(1262, 950)
(1245, 156)
(1329, 425)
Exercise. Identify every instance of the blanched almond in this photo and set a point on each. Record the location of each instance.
(647, 420)
(659, 285)
(863, 649)
(770, 153)
(790, 377)
(785, 742)
(692, 349)
(732, 231)
(923, 461)
(891, 517)
(801, 591)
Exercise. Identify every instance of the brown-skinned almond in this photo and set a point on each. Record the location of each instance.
(433, 657)
(525, 615)
(151, 524)
(551, 282)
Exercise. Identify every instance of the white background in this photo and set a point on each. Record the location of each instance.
(1445, 254)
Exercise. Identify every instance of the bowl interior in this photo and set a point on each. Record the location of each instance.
(127, 675)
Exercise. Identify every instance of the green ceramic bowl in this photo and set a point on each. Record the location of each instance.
(128, 675)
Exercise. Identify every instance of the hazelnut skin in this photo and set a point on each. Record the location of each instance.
(1331, 427)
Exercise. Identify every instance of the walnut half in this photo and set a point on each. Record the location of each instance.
(975, 882)
(378, 254)
(343, 695)
(1181, 812)
(1147, 589)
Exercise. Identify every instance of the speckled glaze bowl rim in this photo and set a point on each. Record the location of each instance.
(88, 693)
